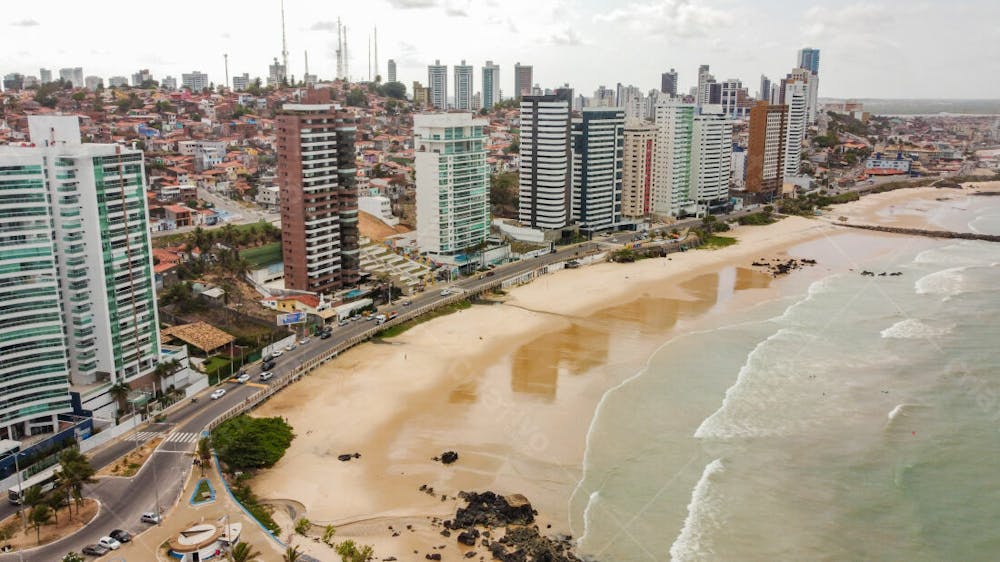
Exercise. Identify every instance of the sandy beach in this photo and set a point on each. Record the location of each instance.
(512, 387)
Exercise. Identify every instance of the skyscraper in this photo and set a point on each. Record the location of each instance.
(319, 199)
(523, 80)
(453, 178)
(674, 121)
(711, 152)
(463, 86)
(93, 224)
(764, 93)
(766, 150)
(797, 100)
(491, 84)
(437, 85)
(812, 90)
(546, 157)
(705, 81)
(809, 60)
(168, 83)
(392, 70)
(277, 74)
(194, 81)
(421, 97)
(72, 75)
(598, 144)
(638, 170)
(44, 75)
(668, 83)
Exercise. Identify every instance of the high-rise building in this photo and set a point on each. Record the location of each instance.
(705, 81)
(141, 77)
(638, 170)
(169, 83)
(453, 179)
(668, 83)
(117, 82)
(764, 93)
(598, 144)
(809, 59)
(319, 198)
(277, 74)
(94, 225)
(13, 81)
(421, 96)
(546, 172)
(523, 79)
(194, 81)
(44, 75)
(72, 75)
(735, 99)
(674, 122)
(463, 86)
(491, 84)
(812, 87)
(797, 100)
(603, 97)
(766, 150)
(241, 83)
(391, 70)
(711, 155)
(437, 85)
(92, 83)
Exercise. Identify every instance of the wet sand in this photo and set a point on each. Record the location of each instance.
(511, 387)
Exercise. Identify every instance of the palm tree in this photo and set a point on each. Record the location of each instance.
(243, 552)
(292, 554)
(119, 392)
(41, 514)
(204, 453)
(77, 472)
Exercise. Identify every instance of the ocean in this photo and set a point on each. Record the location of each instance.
(843, 417)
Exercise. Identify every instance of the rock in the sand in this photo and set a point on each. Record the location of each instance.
(345, 458)
(434, 556)
(449, 457)
(468, 538)
(445, 533)
(470, 554)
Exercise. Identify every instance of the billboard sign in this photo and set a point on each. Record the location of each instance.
(291, 318)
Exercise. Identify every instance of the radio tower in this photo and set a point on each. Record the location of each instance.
(340, 50)
(226, 57)
(284, 45)
(376, 53)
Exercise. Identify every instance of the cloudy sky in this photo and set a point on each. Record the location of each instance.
(879, 48)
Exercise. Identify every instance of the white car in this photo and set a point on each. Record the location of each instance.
(266, 376)
(108, 542)
(219, 393)
(290, 347)
(303, 341)
(445, 292)
(277, 353)
(242, 379)
(150, 517)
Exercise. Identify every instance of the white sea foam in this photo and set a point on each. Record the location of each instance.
(591, 502)
(703, 518)
(911, 328)
(818, 287)
(948, 282)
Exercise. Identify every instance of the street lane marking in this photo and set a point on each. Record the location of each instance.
(183, 437)
(144, 436)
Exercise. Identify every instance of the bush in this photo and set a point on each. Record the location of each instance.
(302, 526)
(261, 513)
(247, 443)
(349, 552)
(756, 219)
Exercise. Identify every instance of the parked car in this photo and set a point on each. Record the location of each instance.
(95, 550)
(120, 535)
(407, 303)
(303, 341)
(149, 517)
(277, 353)
(218, 393)
(290, 347)
(267, 359)
(324, 335)
(445, 292)
(343, 322)
(267, 366)
(266, 376)
(243, 378)
(109, 543)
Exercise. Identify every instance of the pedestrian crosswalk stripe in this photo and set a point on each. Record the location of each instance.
(144, 435)
(183, 437)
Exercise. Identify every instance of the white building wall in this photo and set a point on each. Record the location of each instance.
(547, 157)
(797, 98)
(711, 150)
(671, 188)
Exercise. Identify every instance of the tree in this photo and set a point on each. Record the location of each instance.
(77, 471)
(40, 515)
(357, 98)
(395, 90)
(72, 557)
(204, 453)
(350, 552)
(292, 554)
(120, 392)
(243, 552)
(245, 443)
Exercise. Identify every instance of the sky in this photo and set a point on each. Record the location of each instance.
(869, 49)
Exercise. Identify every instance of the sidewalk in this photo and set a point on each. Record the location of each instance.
(183, 515)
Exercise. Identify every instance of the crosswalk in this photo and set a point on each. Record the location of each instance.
(144, 436)
(183, 437)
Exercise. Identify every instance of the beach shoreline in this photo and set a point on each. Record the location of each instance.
(512, 387)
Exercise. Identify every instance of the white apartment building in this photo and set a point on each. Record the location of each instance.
(169, 83)
(72, 75)
(598, 142)
(463, 87)
(546, 162)
(99, 239)
(194, 81)
(638, 170)
(391, 72)
(671, 185)
(437, 85)
(797, 100)
(711, 154)
(812, 88)
(453, 179)
(491, 84)
(241, 83)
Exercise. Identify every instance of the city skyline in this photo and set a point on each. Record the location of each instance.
(563, 45)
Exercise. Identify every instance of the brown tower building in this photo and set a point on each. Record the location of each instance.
(319, 198)
(766, 150)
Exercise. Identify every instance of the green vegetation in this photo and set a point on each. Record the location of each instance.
(758, 219)
(394, 90)
(714, 242)
(246, 443)
(504, 194)
(443, 311)
(807, 205)
(302, 526)
(627, 255)
(203, 492)
(328, 532)
(261, 513)
(350, 552)
(357, 98)
(243, 552)
(72, 557)
(262, 256)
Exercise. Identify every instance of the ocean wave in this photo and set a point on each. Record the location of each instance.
(911, 328)
(966, 252)
(948, 282)
(816, 288)
(703, 518)
(901, 411)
